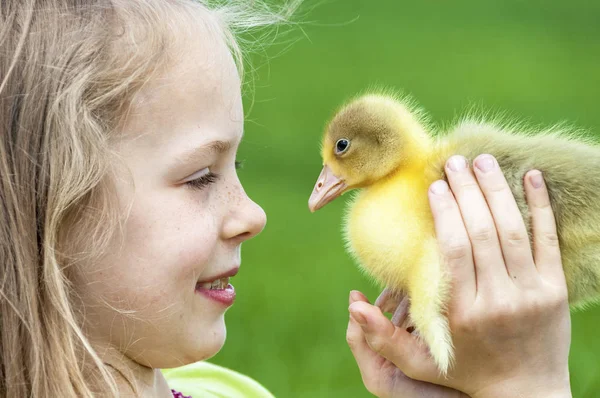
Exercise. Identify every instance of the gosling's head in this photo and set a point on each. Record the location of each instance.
(366, 140)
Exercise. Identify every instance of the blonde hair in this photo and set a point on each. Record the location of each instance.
(69, 70)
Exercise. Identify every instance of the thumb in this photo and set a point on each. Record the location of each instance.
(393, 343)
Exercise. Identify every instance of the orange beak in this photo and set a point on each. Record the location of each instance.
(327, 188)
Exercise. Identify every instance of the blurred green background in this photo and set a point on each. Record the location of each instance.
(537, 60)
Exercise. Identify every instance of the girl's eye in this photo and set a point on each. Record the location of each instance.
(208, 177)
(203, 181)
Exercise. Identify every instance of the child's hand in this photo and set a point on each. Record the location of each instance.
(380, 375)
(508, 311)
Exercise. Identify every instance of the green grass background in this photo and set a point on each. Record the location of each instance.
(537, 60)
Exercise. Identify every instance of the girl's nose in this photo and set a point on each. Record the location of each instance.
(245, 220)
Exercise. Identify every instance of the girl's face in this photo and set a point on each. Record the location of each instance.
(151, 297)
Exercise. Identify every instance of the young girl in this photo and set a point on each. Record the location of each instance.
(122, 215)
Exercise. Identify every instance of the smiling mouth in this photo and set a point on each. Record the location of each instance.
(218, 284)
(219, 290)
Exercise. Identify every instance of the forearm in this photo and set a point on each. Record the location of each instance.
(524, 389)
(562, 393)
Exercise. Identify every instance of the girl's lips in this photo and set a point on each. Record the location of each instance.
(224, 296)
(228, 274)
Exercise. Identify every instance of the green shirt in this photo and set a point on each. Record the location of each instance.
(206, 380)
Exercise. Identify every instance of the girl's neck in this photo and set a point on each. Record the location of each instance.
(133, 379)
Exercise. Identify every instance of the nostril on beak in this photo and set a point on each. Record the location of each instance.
(320, 185)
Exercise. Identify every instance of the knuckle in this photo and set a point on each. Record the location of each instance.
(351, 340)
(554, 300)
(497, 186)
(444, 204)
(549, 239)
(469, 186)
(516, 237)
(536, 304)
(456, 248)
(377, 344)
(503, 311)
(484, 235)
(561, 296)
(543, 204)
(560, 300)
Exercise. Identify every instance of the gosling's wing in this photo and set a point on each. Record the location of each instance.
(571, 167)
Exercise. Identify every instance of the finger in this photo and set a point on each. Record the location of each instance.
(401, 312)
(489, 264)
(368, 361)
(396, 303)
(546, 250)
(388, 300)
(394, 344)
(454, 243)
(514, 240)
(355, 295)
(372, 370)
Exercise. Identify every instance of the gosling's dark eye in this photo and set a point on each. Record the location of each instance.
(341, 146)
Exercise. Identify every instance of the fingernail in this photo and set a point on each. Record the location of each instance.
(439, 187)
(354, 296)
(358, 317)
(457, 163)
(485, 163)
(536, 179)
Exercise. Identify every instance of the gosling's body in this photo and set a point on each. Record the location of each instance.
(571, 170)
(388, 224)
(389, 228)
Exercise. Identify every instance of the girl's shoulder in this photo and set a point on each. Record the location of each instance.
(204, 379)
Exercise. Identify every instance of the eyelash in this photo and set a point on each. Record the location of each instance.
(209, 178)
(203, 181)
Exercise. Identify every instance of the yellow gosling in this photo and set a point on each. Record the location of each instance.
(383, 146)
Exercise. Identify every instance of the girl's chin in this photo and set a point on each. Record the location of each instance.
(201, 348)
(211, 340)
(203, 339)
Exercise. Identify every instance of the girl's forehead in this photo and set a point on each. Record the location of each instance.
(199, 93)
(200, 62)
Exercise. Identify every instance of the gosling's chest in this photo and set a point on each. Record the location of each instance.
(388, 223)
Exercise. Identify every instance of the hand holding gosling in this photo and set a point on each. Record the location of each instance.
(508, 309)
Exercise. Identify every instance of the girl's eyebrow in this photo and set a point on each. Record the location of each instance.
(196, 154)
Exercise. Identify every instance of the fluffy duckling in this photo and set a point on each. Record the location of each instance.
(383, 146)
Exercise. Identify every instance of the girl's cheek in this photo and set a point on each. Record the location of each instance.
(226, 196)
(199, 242)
